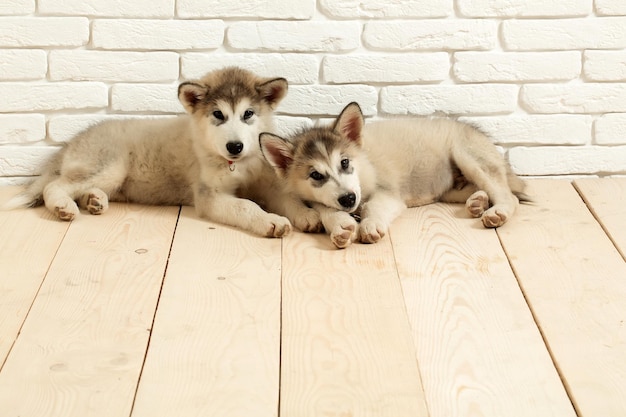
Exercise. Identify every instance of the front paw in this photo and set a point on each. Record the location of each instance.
(370, 231)
(344, 233)
(309, 221)
(277, 226)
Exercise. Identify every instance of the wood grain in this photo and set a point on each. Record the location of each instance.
(81, 349)
(478, 347)
(606, 198)
(346, 346)
(29, 242)
(215, 348)
(575, 281)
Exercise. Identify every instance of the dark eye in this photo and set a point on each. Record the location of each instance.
(218, 115)
(345, 163)
(316, 176)
(248, 114)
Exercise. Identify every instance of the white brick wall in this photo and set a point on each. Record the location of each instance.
(545, 78)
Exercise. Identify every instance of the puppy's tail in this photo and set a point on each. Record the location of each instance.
(32, 196)
(518, 187)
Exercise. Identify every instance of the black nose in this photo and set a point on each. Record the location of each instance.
(234, 148)
(347, 200)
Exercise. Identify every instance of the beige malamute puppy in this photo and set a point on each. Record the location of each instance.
(379, 169)
(208, 158)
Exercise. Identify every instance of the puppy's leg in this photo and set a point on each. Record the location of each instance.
(299, 214)
(239, 212)
(58, 197)
(377, 214)
(476, 201)
(95, 201)
(341, 226)
(491, 181)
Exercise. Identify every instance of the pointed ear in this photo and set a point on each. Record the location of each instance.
(277, 151)
(349, 123)
(191, 94)
(273, 91)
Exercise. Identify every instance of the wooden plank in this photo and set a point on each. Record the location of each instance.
(215, 348)
(81, 349)
(346, 344)
(605, 198)
(30, 239)
(575, 282)
(478, 347)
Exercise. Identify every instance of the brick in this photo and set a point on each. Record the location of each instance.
(610, 129)
(63, 128)
(449, 99)
(524, 8)
(159, 98)
(297, 68)
(22, 128)
(17, 7)
(53, 96)
(113, 66)
(610, 7)
(328, 100)
(277, 9)
(433, 34)
(287, 126)
(24, 160)
(318, 36)
(599, 33)
(516, 66)
(43, 31)
(386, 9)
(563, 160)
(157, 34)
(574, 98)
(562, 129)
(26, 64)
(108, 8)
(404, 68)
(605, 65)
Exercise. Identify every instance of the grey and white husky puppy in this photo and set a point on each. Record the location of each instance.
(378, 169)
(208, 158)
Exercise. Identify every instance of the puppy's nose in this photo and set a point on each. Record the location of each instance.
(234, 148)
(347, 200)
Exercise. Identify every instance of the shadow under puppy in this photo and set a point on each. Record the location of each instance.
(209, 158)
(379, 169)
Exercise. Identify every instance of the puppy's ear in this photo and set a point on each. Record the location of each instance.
(349, 123)
(273, 91)
(191, 94)
(277, 151)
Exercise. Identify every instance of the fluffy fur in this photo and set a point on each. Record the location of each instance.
(209, 158)
(377, 170)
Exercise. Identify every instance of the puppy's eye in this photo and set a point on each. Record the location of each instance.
(316, 176)
(345, 163)
(248, 114)
(218, 115)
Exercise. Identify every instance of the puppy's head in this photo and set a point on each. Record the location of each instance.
(230, 107)
(321, 164)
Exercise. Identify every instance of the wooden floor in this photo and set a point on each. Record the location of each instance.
(152, 312)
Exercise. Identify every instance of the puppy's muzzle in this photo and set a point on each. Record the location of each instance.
(347, 200)
(234, 148)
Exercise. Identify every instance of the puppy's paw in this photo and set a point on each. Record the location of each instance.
(309, 221)
(370, 231)
(477, 203)
(277, 226)
(96, 202)
(494, 217)
(67, 211)
(344, 233)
